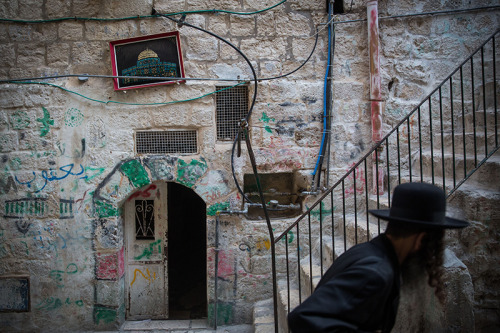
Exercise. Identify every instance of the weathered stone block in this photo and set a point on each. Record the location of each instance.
(169, 6)
(8, 54)
(31, 9)
(88, 53)
(96, 30)
(58, 54)
(266, 24)
(202, 49)
(108, 293)
(115, 8)
(218, 25)
(85, 8)
(294, 25)
(71, 30)
(32, 54)
(8, 142)
(58, 8)
(109, 266)
(242, 25)
(264, 49)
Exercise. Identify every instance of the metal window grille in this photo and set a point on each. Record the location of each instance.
(166, 142)
(231, 107)
(144, 219)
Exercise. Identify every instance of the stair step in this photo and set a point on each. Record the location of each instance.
(263, 316)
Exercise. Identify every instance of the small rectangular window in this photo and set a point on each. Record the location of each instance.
(231, 108)
(166, 142)
(144, 219)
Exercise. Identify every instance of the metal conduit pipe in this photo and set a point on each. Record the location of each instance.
(376, 101)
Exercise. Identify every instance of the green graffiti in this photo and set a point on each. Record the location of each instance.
(265, 119)
(73, 117)
(46, 122)
(19, 120)
(98, 172)
(104, 209)
(321, 212)
(188, 174)
(148, 251)
(224, 313)
(136, 173)
(106, 315)
(213, 209)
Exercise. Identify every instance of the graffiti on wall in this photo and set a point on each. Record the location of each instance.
(45, 122)
(148, 276)
(53, 303)
(189, 173)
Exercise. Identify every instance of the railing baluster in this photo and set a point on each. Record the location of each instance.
(366, 201)
(409, 146)
(388, 179)
(420, 145)
(332, 209)
(355, 209)
(473, 110)
(463, 120)
(298, 263)
(495, 90)
(431, 134)
(321, 237)
(442, 136)
(310, 254)
(399, 156)
(343, 213)
(378, 192)
(287, 272)
(453, 132)
(484, 105)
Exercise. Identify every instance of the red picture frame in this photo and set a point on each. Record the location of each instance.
(157, 55)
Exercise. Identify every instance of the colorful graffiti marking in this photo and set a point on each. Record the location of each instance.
(73, 117)
(46, 122)
(53, 175)
(359, 176)
(149, 277)
(52, 303)
(145, 193)
(19, 120)
(321, 212)
(265, 119)
(188, 174)
(58, 275)
(135, 172)
(149, 251)
(106, 315)
(7, 184)
(219, 206)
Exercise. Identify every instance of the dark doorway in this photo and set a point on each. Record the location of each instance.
(187, 253)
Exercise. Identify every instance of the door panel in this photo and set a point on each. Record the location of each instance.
(146, 240)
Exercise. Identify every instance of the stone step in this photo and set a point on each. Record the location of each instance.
(488, 174)
(263, 316)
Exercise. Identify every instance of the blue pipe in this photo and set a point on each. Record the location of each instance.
(324, 95)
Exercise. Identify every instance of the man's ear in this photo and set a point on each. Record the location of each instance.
(418, 241)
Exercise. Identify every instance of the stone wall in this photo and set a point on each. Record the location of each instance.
(68, 162)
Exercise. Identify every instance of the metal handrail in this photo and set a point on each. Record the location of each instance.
(408, 157)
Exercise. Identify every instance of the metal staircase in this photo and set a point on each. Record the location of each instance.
(450, 137)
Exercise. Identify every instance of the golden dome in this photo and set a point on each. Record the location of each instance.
(147, 53)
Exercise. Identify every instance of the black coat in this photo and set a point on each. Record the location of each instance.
(358, 293)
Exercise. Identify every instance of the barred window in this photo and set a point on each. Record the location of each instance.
(231, 108)
(166, 142)
(144, 219)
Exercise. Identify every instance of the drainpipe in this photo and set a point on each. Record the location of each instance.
(375, 91)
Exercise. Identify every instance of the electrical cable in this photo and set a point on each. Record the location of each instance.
(214, 11)
(247, 117)
(126, 103)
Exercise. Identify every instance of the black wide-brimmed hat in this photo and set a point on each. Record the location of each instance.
(419, 204)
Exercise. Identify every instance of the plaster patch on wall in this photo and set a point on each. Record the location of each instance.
(14, 294)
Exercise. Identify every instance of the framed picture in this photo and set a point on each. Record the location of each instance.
(150, 56)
